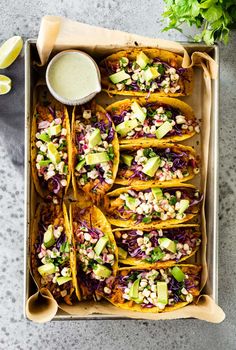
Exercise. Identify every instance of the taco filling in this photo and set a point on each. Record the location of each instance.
(53, 257)
(144, 74)
(52, 149)
(153, 120)
(153, 204)
(156, 288)
(157, 245)
(96, 256)
(161, 164)
(95, 156)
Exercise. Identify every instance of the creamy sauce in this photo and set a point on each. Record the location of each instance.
(73, 76)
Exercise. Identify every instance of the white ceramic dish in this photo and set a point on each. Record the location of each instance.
(80, 74)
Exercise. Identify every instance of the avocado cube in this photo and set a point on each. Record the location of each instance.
(130, 202)
(47, 269)
(63, 279)
(163, 130)
(138, 111)
(80, 165)
(126, 159)
(95, 138)
(54, 130)
(142, 60)
(119, 77)
(184, 204)
(96, 158)
(162, 293)
(133, 293)
(44, 163)
(151, 166)
(44, 137)
(102, 271)
(122, 254)
(101, 244)
(178, 274)
(48, 238)
(53, 153)
(166, 243)
(126, 126)
(151, 73)
(157, 193)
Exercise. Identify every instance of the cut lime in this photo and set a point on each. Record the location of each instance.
(5, 84)
(10, 50)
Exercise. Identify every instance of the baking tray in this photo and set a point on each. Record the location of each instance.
(212, 192)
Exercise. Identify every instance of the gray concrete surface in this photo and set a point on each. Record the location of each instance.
(142, 17)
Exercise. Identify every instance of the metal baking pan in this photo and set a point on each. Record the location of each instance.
(212, 193)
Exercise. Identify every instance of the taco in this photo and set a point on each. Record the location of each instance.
(166, 163)
(152, 121)
(148, 206)
(50, 149)
(52, 256)
(157, 247)
(96, 250)
(161, 290)
(95, 150)
(141, 72)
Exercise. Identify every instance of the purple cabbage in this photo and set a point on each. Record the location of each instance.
(56, 184)
(52, 111)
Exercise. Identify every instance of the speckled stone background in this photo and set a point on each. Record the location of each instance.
(142, 17)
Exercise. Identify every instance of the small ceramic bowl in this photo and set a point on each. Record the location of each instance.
(78, 101)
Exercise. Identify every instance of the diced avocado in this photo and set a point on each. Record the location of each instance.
(163, 130)
(80, 165)
(100, 245)
(130, 202)
(125, 158)
(54, 130)
(138, 111)
(119, 77)
(95, 138)
(48, 238)
(166, 243)
(151, 73)
(44, 137)
(178, 274)
(53, 153)
(102, 271)
(142, 60)
(122, 254)
(151, 166)
(96, 158)
(183, 205)
(44, 162)
(133, 293)
(127, 126)
(157, 193)
(47, 269)
(63, 279)
(162, 293)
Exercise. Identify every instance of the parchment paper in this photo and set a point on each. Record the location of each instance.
(58, 33)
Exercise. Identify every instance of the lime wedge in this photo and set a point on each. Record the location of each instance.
(10, 50)
(5, 84)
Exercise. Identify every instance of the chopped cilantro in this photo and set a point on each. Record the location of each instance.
(147, 219)
(173, 200)
(161, 69)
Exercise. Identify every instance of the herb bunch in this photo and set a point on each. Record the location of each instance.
(214, 17)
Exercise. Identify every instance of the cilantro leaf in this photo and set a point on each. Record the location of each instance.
(216, 16)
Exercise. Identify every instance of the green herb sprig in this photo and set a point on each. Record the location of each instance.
(214, 17)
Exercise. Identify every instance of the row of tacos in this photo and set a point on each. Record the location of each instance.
(76, 258)
(132, 142)
(131, 250)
